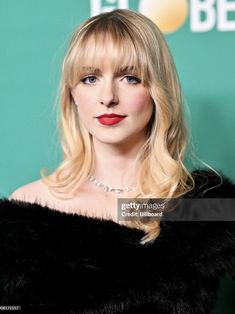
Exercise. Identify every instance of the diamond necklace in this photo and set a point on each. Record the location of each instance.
(106, 188)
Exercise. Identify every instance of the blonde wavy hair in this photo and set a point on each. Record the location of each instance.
(138, 42)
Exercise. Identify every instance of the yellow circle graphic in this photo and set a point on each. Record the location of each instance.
(167, 14)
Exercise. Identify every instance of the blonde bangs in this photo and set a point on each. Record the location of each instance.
(112, 46)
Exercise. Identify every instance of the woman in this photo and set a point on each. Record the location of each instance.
(64, 248)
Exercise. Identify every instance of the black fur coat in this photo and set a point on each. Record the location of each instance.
(54, 262)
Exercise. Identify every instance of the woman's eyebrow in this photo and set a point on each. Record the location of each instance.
(91, 69)
(98, 71)
(126, 69)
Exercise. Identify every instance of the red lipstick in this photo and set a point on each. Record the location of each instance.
(110, 119)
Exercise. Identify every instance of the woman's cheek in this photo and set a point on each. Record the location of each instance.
(140, 102)
(86, 107)
(142, 107)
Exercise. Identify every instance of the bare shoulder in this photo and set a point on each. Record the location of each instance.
(84, 203)
(38, 192)
(30, 191)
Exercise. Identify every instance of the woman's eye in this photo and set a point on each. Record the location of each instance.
(132, 79)
(89, 79)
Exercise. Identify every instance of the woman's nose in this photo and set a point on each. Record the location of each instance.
(108, 94)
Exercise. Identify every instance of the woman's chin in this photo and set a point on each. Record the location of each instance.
(111, 141)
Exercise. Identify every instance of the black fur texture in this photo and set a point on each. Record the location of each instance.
(54, 262)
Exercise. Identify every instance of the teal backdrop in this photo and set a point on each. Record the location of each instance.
(33, 39)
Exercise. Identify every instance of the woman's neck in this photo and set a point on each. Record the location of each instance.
(114, 164)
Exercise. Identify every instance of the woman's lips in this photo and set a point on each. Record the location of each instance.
(110, 119)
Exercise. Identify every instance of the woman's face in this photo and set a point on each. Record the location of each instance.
(102, 91)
